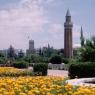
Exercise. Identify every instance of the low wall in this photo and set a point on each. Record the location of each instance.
(61, 66)
(81, 82)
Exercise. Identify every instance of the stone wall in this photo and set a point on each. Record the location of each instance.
(56, 66)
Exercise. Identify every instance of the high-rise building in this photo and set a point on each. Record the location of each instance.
(31, 49)
(68, 44)
(31, 44)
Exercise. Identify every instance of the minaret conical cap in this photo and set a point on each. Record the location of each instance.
(81, 29)
(81, 32)
(68, 13)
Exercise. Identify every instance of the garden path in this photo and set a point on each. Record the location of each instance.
(61, 73)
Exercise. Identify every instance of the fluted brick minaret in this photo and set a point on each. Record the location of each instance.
(68, 44)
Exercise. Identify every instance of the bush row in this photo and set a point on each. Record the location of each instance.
(40, 69)
(20, 64)
(82, 70)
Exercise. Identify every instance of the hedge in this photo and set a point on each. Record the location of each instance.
(64, 60)
(82, 70)
(20, 64)
(40, 69)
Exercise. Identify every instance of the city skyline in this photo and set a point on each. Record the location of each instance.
(43, 21)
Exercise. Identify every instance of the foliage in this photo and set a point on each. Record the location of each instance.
(1, 55)
(21, 54)
(56, 59)
(88, 51)
(82, 70)
(42, 57)
(20, 64)
(88, 54)
(36, 59)
(11, 52)
(46, 51)
(40, 68)
(2, 60)
(64, 60)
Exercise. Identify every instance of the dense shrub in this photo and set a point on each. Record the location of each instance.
(88, 51)
(82, 70)
(2, 61)
(20, 64)
(40, 68)
(55, 59)
(64, 60)
(88, 54)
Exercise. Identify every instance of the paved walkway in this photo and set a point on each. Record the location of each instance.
(60, 73)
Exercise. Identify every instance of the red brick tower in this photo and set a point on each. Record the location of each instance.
(68, 44)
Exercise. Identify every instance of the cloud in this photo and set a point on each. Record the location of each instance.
(28, 16)
(23, 16)
(28, 19)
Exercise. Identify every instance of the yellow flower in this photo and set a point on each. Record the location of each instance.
(40, 85)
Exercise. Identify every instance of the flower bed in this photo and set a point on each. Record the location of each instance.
(39, 85)
(33, 86)
(13, 72)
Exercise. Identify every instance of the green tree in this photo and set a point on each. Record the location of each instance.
(1, 55)
(88, 51)
(56, 59)
(33, 58)
(21, 54)
(11, 52)
(2, 58)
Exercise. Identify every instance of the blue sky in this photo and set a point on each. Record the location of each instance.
(43, 21)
